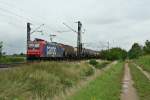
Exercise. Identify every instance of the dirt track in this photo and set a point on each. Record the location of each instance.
(128, 91)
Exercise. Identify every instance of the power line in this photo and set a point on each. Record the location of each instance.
(52, 36)
(70, 28)
(29, 18)
(13, 7)
(36, 30)
(12, 13)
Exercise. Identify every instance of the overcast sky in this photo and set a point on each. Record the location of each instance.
(121, 22)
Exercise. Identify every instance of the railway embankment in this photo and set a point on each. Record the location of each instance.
(42, 80)
(106, 86)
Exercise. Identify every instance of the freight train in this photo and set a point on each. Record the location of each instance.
(41, 49)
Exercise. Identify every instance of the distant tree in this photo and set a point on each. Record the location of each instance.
(117, 54)
(4, 53)
(146, 47)
(104, 54)
(21, 54)
(114, 54)
(15, 54)
(135, 51)
(1, 46)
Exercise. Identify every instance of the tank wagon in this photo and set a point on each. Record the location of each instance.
(41, 49)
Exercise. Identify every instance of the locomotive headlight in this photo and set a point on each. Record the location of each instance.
(32, 45)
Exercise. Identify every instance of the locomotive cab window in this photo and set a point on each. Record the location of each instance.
(31, 46)
(34, 46)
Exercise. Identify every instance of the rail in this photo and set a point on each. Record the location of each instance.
(9, 65)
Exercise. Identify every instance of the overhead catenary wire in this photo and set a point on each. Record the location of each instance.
(12, 13)
(28, 18)
(70, 27)
(36, 30)
(9, 12)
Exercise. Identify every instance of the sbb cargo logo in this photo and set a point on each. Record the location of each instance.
(51, 51)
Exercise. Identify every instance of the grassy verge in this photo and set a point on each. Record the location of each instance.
(141, 83)
(144, 62)
(98, 65)
(41, 81)
(102, 65)
(105, 87)
(11, 59)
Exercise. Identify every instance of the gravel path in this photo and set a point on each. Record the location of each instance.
(128, 91)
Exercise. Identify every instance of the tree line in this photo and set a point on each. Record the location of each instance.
(4, 53)
(1, 46)
(118, 53)
(113, 54)
(138, 50)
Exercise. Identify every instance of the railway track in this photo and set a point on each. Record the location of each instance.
(19, 64)
(16, 64)
(10, 65)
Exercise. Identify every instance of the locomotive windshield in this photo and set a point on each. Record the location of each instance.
(34, 45)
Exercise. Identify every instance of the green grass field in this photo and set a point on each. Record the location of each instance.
(106, 87)
(144, 62)
(41, 81)
(11, 59)
(141, 83)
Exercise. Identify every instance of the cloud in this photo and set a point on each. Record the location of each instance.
(121, 22)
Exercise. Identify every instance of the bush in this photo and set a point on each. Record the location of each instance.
(114, 54)
(89, 71)
(146, 48)
(93, 62)
(135, 52)
(98, 65)
(101, 65)
(11, 59)
(67, 82)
